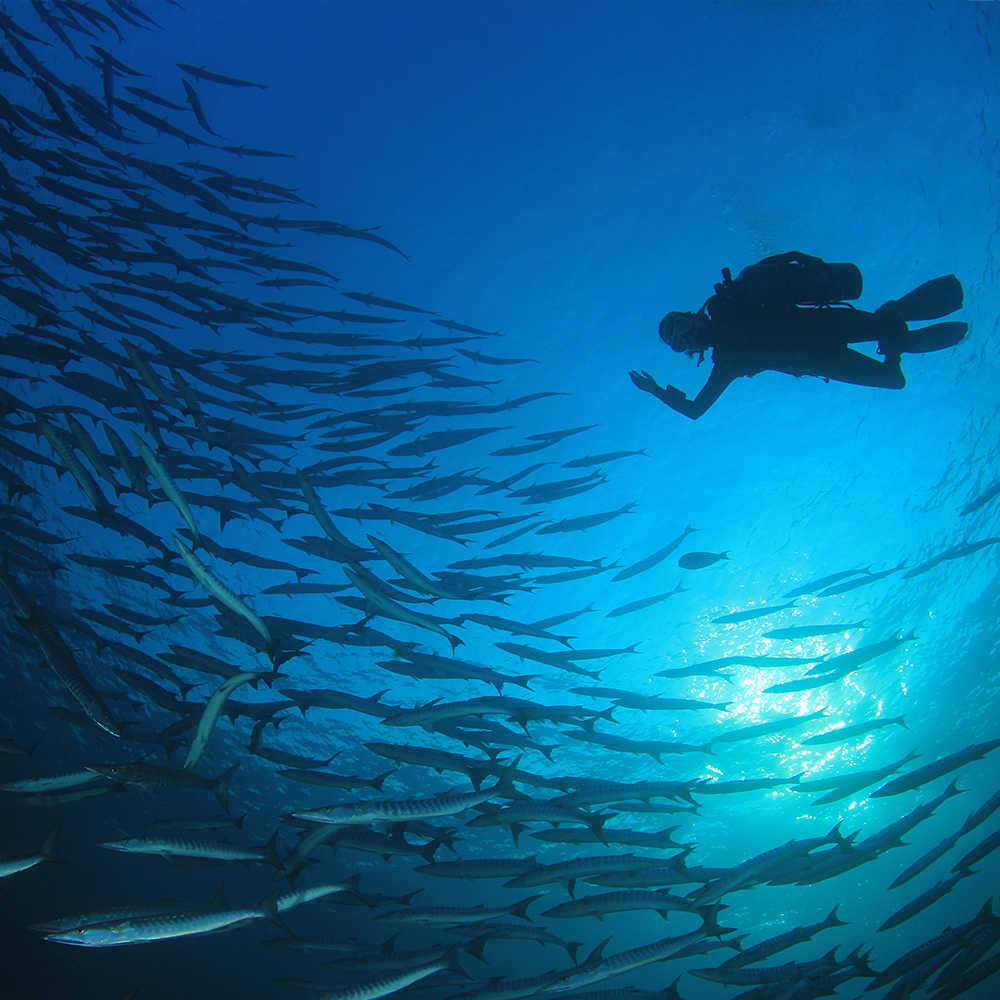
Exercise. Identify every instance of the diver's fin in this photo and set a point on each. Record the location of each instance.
(934, 338)
(931, 300)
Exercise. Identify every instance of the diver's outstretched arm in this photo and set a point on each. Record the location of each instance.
(677, 400)
(716, 385)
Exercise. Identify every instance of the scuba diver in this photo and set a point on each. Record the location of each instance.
(788, 313)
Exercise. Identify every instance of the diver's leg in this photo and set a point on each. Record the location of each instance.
(849, 326)
(858, 369)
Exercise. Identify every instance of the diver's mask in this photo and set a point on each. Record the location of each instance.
(685, 332)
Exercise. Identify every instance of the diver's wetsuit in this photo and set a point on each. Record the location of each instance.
(798, 341)
(748, 338)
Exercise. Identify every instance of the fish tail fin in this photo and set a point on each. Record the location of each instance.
(429, 849)
(184, 688)
(48, 849)
(900, 720)
(269, 908)
(710, 918)
(378, 780)
(269, 852)
(596, 827)
(520, 909)
(860, 960)
(833, 920)
(450, 959)
(671, 992)
(475, 947)
(837, 836)
(221, 787)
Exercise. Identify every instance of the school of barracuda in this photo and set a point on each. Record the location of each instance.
(114, 267)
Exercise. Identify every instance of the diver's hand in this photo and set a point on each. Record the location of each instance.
(646, 382)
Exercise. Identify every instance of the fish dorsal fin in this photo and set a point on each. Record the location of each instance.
(218, 901)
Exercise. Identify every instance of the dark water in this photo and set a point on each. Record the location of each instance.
(563, 174)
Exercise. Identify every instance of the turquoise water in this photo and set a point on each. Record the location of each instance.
(564, 174)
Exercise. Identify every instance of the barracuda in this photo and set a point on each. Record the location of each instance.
(849, 732)
(601, 904)
(51, 784)
(361, 813)
(108, 915)
(382, 605)
(567, 872)
(208, 919)
(47, 852)
(924, 900)
(392, 984)
(750, 870)
(217, 589)
(939, 768)
(596, 969)
(58, 656)
(478, 868)
(774, 945)
(166, 483)
(84, 479)
(210, 715)
(455, 914)
(156, 776)
(184, 847)
(409, 572)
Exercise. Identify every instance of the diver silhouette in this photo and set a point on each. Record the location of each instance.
(788, 313)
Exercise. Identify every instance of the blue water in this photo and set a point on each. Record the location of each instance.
(566, 174)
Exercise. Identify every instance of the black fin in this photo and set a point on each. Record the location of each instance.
(934, 338)
(931, 300)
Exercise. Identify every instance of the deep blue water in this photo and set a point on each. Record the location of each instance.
(564, 174)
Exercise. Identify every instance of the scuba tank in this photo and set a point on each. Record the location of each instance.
(793, 284)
